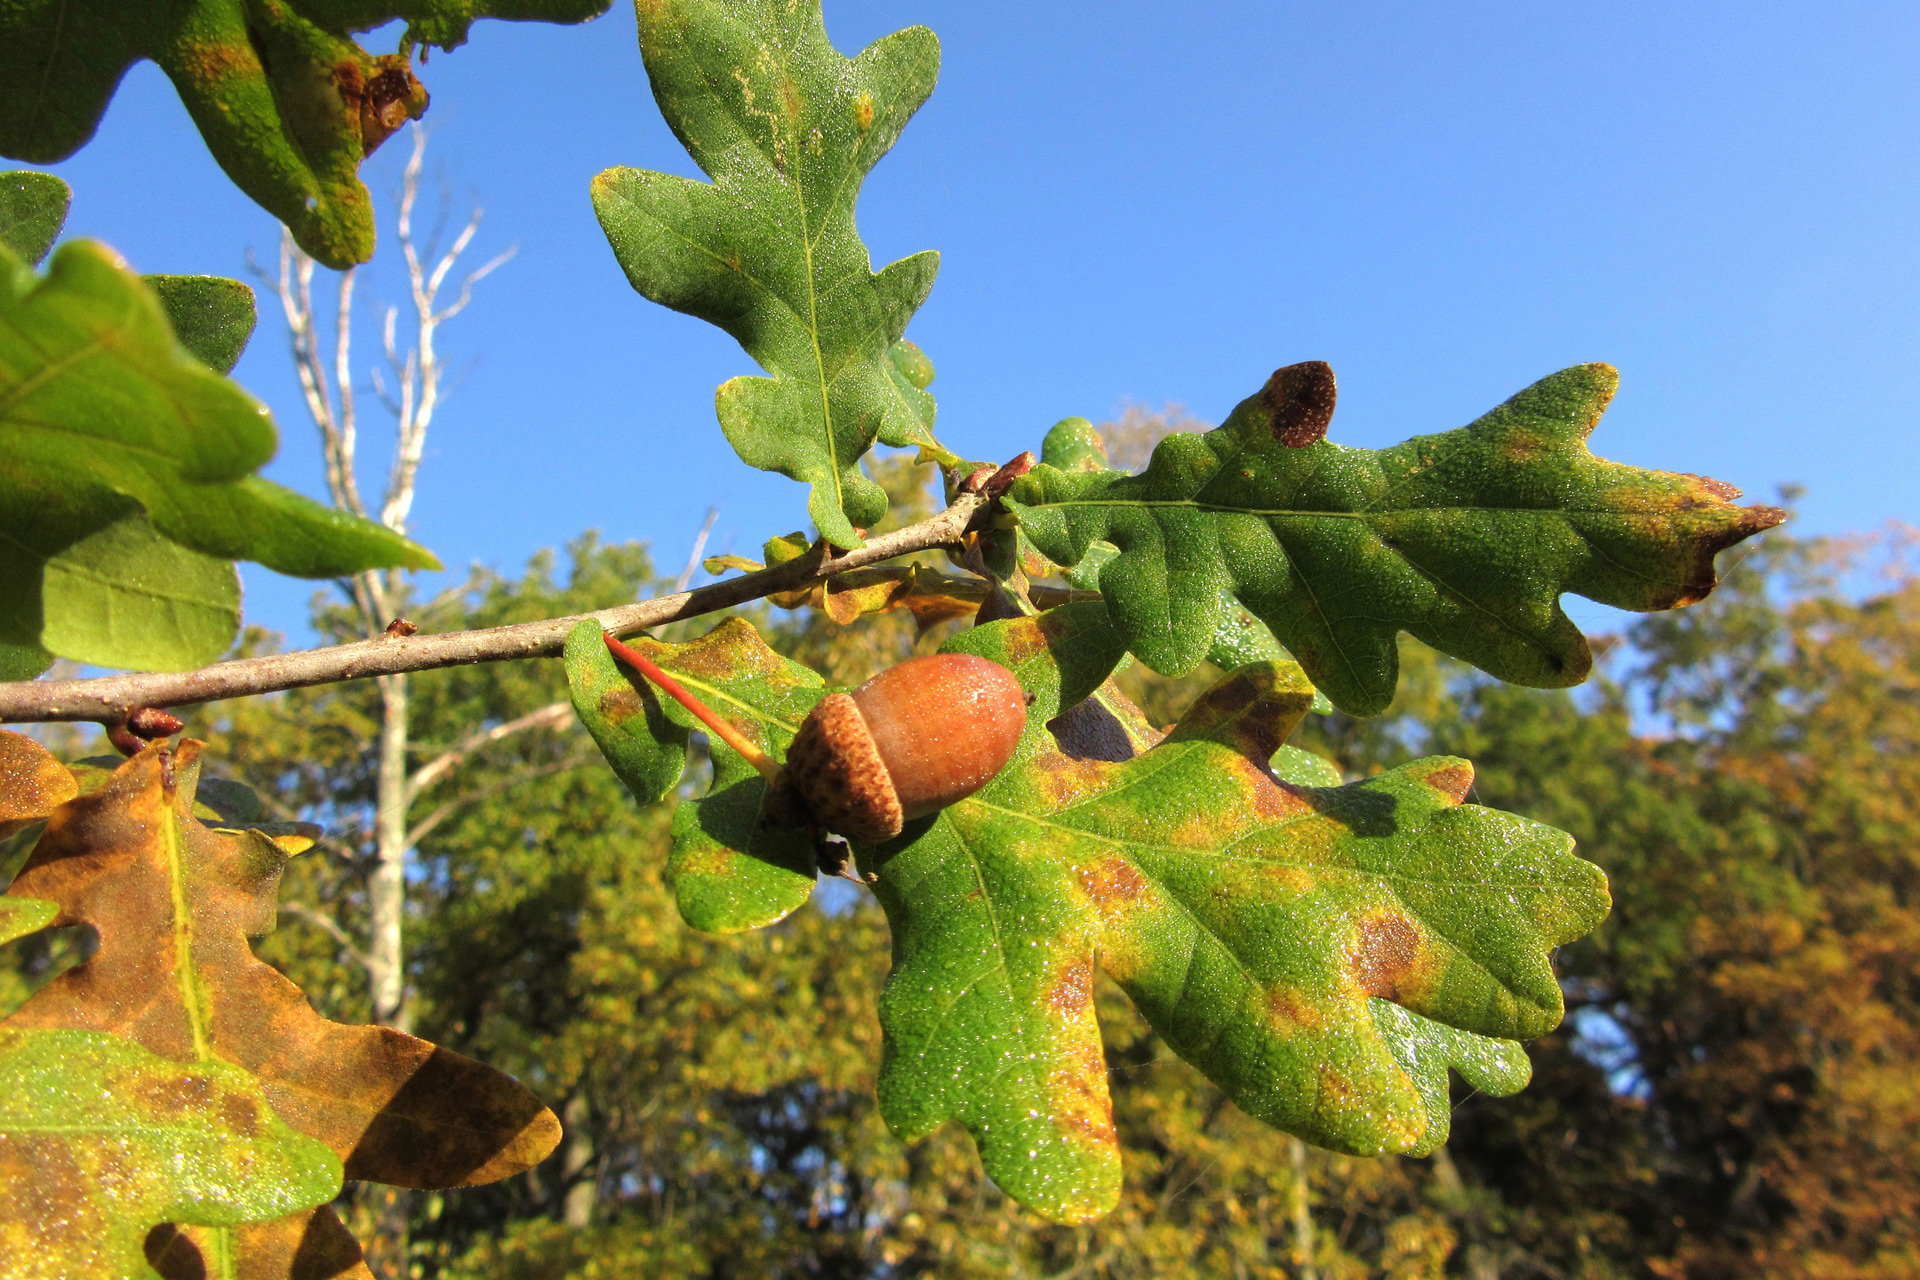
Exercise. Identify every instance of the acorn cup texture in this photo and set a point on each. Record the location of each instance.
(907, 743)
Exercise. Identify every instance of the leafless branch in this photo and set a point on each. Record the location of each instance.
(549, 716)
(423, 828)
(107, 698)
(327, 925)
(699, 545)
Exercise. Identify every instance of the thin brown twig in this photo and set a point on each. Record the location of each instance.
(111, 698)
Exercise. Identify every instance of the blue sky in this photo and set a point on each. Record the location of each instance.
(1447, 202)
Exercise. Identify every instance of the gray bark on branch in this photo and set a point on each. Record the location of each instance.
(108, 699)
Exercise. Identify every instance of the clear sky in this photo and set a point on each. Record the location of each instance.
(1447, 202)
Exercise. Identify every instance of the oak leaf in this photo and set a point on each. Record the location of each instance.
(128, 474)
(786, 128)
(1323, 954)
(730, 871)
(173, 902)
(1465, 539)
(288, 103)
(102, 1142)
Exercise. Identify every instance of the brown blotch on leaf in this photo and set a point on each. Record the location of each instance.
(1300, 397)
(621, 705)
(207, 62)
(1719, 490)
(1064, 781)
(1250, 712)
(1071, 991)
(1452, 781)
(1270, 800)
(1289, 1010)
(1735, 524)
(1113, 884)
(1388, 957)
(380, 103)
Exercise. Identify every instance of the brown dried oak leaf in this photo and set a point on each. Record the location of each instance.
(174, 902)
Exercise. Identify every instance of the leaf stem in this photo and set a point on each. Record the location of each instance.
(769, 767)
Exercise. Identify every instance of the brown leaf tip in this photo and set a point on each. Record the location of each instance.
(1300, 397)
(1452, 780)
(1002, 480)
(382, 101)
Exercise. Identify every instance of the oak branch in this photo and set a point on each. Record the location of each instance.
(109, 699)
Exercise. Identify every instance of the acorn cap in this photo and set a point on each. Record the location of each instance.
(835, 765)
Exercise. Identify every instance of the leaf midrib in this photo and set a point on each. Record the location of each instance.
(1364, 514)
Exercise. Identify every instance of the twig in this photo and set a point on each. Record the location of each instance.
(327, 925)
(110, 698)
(433, 770)
(699, 544)
(425, 827)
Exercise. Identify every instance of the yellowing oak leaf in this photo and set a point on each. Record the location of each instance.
(101, 1142)
(173, 902)
(1323, 954)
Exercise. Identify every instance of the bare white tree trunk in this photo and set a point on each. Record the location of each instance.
(387, 884)
(1303, 1265)
(575, 1156)
(379, 595)
(1481, 1263)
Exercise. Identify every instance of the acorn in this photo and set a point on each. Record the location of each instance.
(907, 743)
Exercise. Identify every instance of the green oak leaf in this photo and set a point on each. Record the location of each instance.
(126, 470)
(33, 208)
(22, 661)
(288, 104)
(1464, 539)
(787, 128)
(212, 316)
(1261, 927)
(1240, 638)
(1074, 444)
(125, 596)
(1424, 1049)
(730, 871)
(622, 712)
(22, 916)
(102, 1140)
(910, 425)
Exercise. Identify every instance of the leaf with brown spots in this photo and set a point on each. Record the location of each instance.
(102, 1141)
(1323, 954)
(730, 871)
(32, 785)
(1465, 540)
(173, 902)
(288, 104)
(787, 128)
